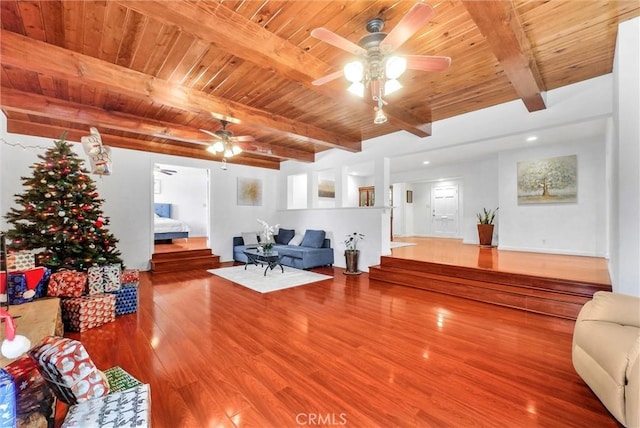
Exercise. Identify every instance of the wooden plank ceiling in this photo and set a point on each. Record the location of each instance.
(151, 74)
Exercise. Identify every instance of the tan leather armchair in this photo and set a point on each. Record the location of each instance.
(606, 353)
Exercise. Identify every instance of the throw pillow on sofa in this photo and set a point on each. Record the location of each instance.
(284, 236)
(250, 238)
(296, 240)
(313, 238)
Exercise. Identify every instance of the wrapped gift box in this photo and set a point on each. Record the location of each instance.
(94, 280)
(26, 286)
(120, 380)
(129, 408)
(7, 400)
(68, 369)
(67, 283)
(35, 400)
(130, 276)
(20, 260)
(102, 279)
(127, 299)
(111, 277)
(85, 312)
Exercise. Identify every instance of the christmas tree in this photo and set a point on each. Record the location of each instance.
(60, 214)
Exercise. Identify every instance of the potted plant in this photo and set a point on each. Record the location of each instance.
(351, 252)
(266, 241)
(485, 226)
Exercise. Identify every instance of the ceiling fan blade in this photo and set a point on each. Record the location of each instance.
(340, 42)
(416, 18)
(211, 133)
(242, 138)
(427, 63)
(328, 78)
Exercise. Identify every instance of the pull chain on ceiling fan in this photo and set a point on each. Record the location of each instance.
(226, 142)
(379, 70)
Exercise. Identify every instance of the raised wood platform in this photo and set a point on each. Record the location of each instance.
(184, 260)
(541, 283)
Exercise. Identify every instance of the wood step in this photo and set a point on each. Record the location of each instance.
(186, 254)
(557, 297)
(184, 260)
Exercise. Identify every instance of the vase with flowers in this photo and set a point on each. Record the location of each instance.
(351, 252)
(266, 239)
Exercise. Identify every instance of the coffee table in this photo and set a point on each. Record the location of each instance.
(270, 258)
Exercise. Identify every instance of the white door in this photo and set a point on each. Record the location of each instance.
(444, 210)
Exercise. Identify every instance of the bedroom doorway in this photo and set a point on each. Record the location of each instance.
(181, 208)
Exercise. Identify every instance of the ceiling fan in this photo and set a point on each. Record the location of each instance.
(380, 69)
(226, 142)
(158, 168)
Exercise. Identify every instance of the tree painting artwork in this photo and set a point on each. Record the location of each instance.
(548, 181)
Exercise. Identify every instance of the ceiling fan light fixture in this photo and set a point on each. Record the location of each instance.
(236, 150)
(380, 117)
(354, 71)
(228, 152)
(357, 88)
(395, 66)
(391, 86)
(212, 149)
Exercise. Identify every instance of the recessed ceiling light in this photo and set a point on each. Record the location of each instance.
(532, 138)
(426, 163)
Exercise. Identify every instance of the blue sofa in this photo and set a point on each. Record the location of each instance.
(309, 254)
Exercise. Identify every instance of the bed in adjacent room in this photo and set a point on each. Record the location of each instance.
(165, 227)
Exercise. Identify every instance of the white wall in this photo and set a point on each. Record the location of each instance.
(570, 228)
(187, 191)
(128, 195)
(421, 208)
(478, 188)
(625, 160)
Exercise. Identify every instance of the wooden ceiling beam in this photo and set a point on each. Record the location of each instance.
(499, 23)
(29, 54)
(245, 39)
(54, 132)
(53, 108)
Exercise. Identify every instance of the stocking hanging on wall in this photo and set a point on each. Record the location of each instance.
(99, 155)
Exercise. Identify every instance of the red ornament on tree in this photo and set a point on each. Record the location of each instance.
(99, 222)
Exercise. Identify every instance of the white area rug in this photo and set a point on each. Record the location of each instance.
(401, 244)
(275, 280)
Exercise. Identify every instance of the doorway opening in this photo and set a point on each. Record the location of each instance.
(181, 208)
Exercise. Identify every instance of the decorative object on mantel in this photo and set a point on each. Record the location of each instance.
(351, 253)
(266, 242)
(485, 226)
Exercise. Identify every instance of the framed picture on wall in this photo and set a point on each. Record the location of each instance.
(409, 196)
(249, 191)
(548, 181)
(326, 189)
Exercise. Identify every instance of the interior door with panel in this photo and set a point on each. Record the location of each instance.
(444, 210)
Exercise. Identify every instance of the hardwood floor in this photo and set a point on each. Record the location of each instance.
(347, 351)
(454, 252)
(193, 243)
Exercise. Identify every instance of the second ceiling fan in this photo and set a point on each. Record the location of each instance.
(379, 70)
(226, 143)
